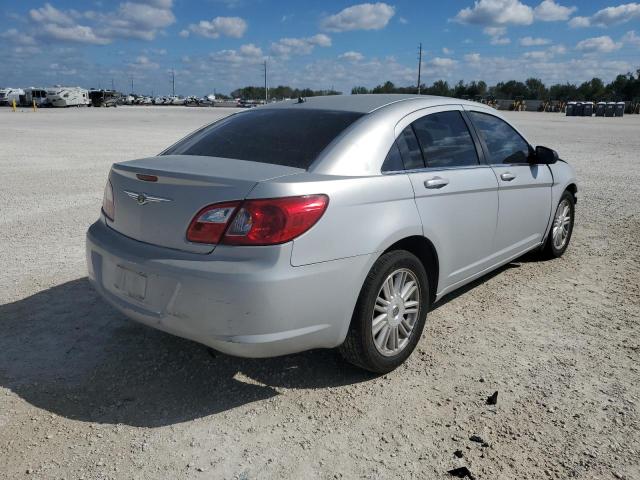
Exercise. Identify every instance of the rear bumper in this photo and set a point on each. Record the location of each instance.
(244, 301)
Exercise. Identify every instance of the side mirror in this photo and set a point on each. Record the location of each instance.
(545, 155)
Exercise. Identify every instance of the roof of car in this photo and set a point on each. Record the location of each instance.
(361, 103)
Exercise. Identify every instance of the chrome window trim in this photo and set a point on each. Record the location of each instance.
(436, 169)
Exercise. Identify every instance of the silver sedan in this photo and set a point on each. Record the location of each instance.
(331, 222)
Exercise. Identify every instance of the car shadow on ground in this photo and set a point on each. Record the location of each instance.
(66, 351)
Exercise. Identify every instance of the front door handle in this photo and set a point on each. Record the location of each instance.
(507, 176)
(436, 182)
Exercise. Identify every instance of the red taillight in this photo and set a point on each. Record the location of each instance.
(108, 207)
(258, 222)
(210, 223)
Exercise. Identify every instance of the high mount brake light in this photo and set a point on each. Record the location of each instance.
(108, 206)
(257, 222)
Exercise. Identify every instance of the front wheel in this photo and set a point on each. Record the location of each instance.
(390, 313)
(562, 227)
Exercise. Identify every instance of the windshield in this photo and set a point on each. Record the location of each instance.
(288, 137)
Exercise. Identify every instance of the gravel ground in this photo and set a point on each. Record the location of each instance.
(85, 393)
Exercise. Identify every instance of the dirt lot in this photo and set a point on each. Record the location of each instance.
(85, 393)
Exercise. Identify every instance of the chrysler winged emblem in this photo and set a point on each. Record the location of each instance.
(142, 198)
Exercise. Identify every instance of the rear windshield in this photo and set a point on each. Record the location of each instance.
(293, 138)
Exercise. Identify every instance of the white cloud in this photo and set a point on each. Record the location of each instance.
(609, 16)
(75, 33)
(141, 19)
(54, 24)
(472, 57)
(447, 51)
(250, 50)
(285, 47)
(603, 44)
(143, 63)
(615, 15)
(497, 35)
(365, 16)
(631, 38)
(246, 54)
(50, 14)
(440, 62)
(500, 41)
(137, 19)
(14, 36)
(533, 42)
(550, 11)
(579, 22)
(496, 12)
(351, 56)
(217, 27)
(547, 54)
(403, 20)
(557, 49)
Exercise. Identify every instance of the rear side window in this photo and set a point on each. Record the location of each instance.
(393, 162)
(505, 145)
(445, 140)
(288, 137)
(410, 149)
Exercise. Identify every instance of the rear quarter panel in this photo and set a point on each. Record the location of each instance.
(365, 214)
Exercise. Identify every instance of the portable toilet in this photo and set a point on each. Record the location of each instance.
(610, 110)
(600, 108)
(588, 109)
(579, 109)
(571, 109)
(619, 109)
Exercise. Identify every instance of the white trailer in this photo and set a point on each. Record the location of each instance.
(37, 95)
(8, 95)
(68, 97)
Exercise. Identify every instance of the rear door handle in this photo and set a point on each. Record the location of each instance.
(507, 176)
(436, 182)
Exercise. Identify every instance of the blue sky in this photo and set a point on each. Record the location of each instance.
(221, 44)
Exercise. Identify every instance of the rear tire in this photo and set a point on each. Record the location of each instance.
(390, 314)
(561, 228)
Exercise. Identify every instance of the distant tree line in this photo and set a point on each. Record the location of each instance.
(279, 92)
(623, 88)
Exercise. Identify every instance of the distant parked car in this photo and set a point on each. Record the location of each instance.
(334, 222)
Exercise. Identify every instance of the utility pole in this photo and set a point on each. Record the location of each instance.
(173, 82)
(131, 78)
(419, 65)
(266, 89)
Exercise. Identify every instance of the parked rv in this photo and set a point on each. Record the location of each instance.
(37, 95)
(68, 97)
(104, 98)
(9, 95)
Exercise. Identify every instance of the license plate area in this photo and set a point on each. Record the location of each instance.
(132, 284)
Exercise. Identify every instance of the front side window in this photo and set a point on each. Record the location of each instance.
(445, 140)
(279, 136)
(505, 145)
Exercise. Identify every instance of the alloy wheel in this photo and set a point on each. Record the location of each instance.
(395, 313)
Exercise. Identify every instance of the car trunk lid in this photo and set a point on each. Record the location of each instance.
(156, 198)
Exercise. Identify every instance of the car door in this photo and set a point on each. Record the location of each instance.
(524, 190)
(455, 192)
